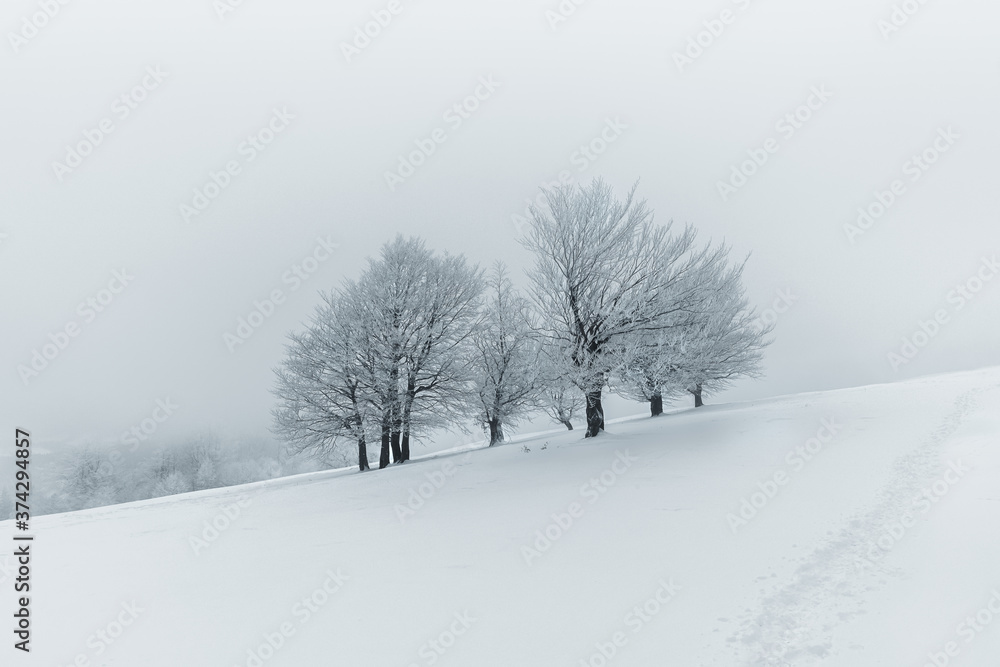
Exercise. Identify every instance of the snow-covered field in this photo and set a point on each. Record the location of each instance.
(836, 557)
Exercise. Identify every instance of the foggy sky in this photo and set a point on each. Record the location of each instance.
(678, 130)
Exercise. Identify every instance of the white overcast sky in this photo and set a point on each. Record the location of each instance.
(324, 175)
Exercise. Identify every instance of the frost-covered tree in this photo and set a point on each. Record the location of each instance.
(88, 479)
(436, 369)
(384, 302)
(602, 276)
(325, 385)
(562, 401)
(724, 344)
(706, 342)
(561, 398)
(650, 370)
(385, 356)
(170, 484)
(505, 358)
(203, 456)
(418, 310)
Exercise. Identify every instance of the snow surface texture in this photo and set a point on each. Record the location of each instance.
(844, 563)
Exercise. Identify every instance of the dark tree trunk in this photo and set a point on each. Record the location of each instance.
(656, 405)
(362, 454)
(395, 411)
(397, 453)
(595, 414)
(567, 423)
(496, 431)
(697, 397)
(407, 409)
(383, 459)
(359, 424)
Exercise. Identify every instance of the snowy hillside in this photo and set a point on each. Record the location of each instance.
(855, 527)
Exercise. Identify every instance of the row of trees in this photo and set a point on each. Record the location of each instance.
(424, 340)
(106, 473)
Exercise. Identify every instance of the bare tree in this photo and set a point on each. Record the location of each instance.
(561, 398)
(724, 344)
(385, 302)
(88, 479)
(418, 311)
(436, 367)
(602, 276)
(324, 387)
(386, 354)
(650, 370)
(562, 402)
(708, 341)
(505, 358)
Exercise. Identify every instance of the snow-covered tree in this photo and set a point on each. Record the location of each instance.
(562, 401)
(385, 304)
(604, 274)
(706, 342)
(436, 369)
(418, 311)
(725, 343)
(561, 398)
(88, 479)
(385, 357)
(505, 358)
(650, 370)
(170, 484)
(203, 456)
(325, 384)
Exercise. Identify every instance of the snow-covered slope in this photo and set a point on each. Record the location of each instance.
(652, 556)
